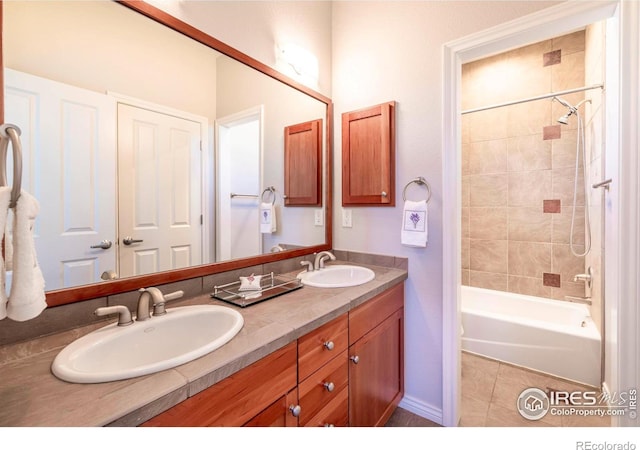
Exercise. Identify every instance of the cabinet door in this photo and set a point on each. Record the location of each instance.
(368, 156)
(303, 164)
(279, 414)
(376, 378)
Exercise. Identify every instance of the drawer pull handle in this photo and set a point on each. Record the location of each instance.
(329, 386)
(329, 425)
(329, 345)
(355, 359)
(295, 410)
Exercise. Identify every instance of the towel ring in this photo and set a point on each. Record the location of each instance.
(420, 181)
(9, 132)
(272, 190)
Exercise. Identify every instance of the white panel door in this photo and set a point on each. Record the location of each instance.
(69, 145)
(160, 189)
(239, 151)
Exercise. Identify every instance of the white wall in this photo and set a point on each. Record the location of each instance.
(257, 27)
(393, 51)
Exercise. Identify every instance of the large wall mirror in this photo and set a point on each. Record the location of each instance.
(157, 153)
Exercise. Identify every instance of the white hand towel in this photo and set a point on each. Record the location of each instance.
(414, 224)
(26, 298)
(267, 218)
(5, 197)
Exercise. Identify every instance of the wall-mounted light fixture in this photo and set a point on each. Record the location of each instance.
(298, 63)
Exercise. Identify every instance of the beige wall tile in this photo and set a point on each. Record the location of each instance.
(465, 125)
(528, 286)
(488, 223)
(570, 43)
(527, 153)
(564, 150)
(561, 226)
(465, 222)
(529, 259)
(563, 185)
(488, 125)
(465, 277)
(529, 224)
(466, 193)
(488, 280)
(568, 74)
(488, 190)
(529, 188)
(565, 263)
(529, 118)
(488, 156)
(465, 158)
(465, 253)
(488, 256)
(568, 288)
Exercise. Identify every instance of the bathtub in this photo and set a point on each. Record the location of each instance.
(555, 337)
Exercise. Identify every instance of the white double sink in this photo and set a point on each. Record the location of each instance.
(181, 335)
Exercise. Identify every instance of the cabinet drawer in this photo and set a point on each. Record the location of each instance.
(314, 391)
(335, 413)
(368, 315)
(322, 345)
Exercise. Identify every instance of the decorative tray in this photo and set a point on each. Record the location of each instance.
(270, 286)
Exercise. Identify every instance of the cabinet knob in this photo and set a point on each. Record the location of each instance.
(329, 386)
(355, 359)
(329, 345)
(329, 425)
(384, 193)
(295, 410)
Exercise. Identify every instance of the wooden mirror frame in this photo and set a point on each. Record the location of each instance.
(75, 294)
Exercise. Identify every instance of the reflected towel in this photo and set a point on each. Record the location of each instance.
(267, 218)
(5, 197)
(26, 298)
(414, 224)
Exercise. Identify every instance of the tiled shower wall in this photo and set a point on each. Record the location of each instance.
(518, 167)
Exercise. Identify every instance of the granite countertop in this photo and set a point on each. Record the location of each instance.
(31, 396)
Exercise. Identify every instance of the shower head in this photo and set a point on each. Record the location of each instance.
(564, 120)
(572, 109)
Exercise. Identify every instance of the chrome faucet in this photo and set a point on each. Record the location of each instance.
(158, 301)
(587, 278)
(308, 264)
(320, 258)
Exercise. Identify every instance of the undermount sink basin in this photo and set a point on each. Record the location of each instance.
(116, 353)
(337, 276)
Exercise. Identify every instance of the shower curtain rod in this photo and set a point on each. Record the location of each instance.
(530, 99)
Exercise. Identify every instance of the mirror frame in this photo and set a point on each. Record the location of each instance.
(86, 292)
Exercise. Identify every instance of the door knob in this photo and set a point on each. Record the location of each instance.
(129, 240)
(103, 245)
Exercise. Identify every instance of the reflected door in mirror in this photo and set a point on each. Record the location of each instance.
(65, 127)
(160, 193)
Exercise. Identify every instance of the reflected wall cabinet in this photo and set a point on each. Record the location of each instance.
(368, 156)
(303, 164)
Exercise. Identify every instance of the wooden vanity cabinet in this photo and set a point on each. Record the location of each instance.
(323, 375)
(376, 358)
(258, 393)
(303, 164)
(347, 372)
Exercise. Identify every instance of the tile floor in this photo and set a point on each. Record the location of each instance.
(403, 418)
(490, 390)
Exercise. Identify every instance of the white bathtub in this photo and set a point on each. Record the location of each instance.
(555, 337)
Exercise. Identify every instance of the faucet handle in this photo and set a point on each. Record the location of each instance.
(158, 308)
(309, 265)
(173, 296)
(124, 315)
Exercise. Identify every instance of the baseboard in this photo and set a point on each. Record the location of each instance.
(421, 408)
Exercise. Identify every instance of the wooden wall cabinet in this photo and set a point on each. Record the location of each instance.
(303, 164)
(368, 156)
(348, 372)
